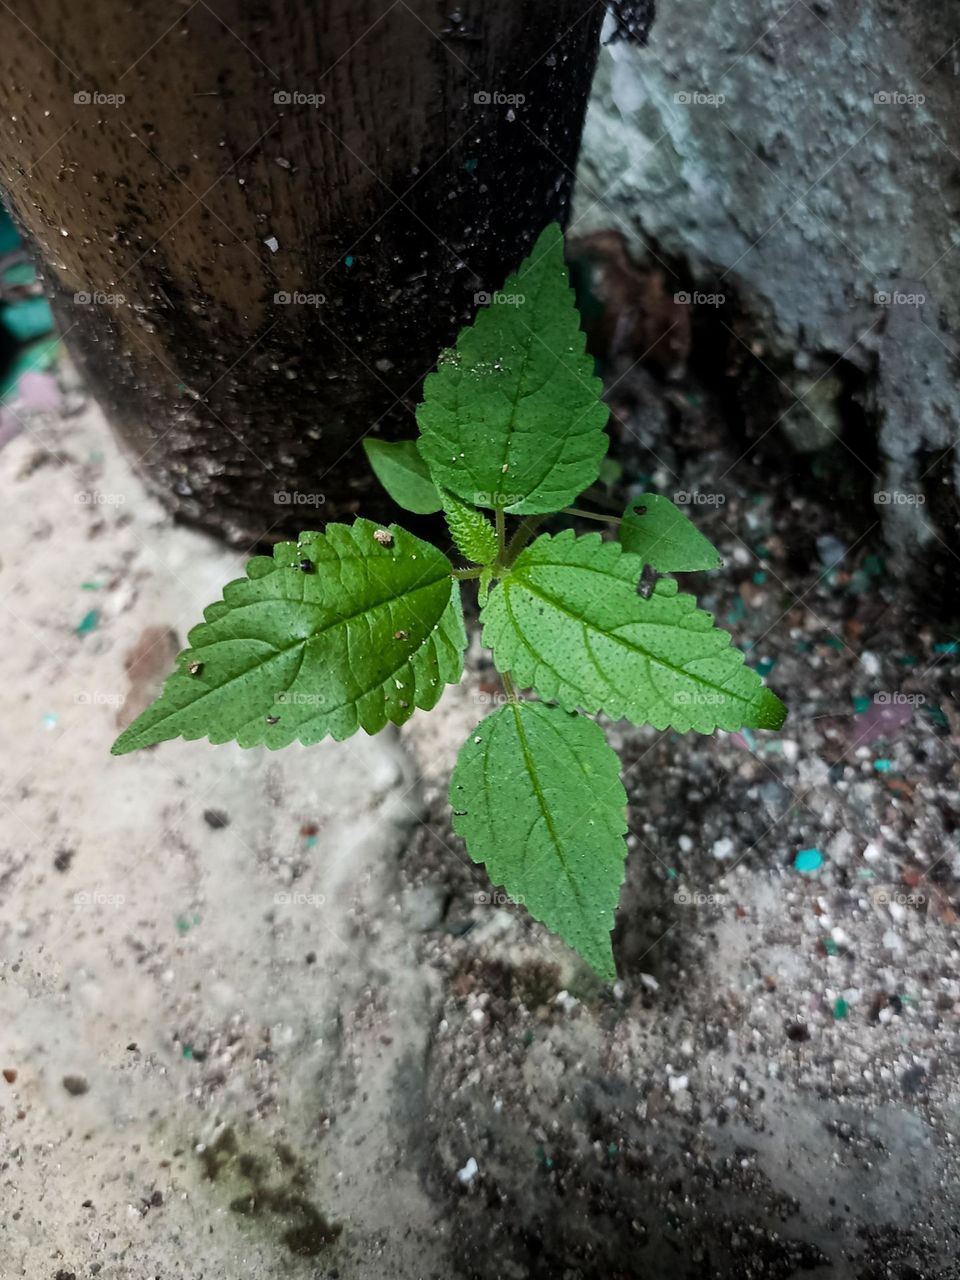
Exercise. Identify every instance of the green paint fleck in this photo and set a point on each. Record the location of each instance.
(883, 766)
(759, 578)
(90, 586)
(862, 704)
(87, 623)
(348, 261)
(188, 1051)
(829, 946)
(808, 861)
(738, 611)
(840, 1008)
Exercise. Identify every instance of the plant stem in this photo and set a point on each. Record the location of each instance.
(525, 531)
(590, 515)
(501, 531)
(509, 688)
(464, 575)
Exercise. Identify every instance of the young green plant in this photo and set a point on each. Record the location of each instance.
(359, 625)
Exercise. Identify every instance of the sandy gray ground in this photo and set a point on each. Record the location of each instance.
(267, 1048)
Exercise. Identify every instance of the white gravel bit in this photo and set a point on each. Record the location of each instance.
(469, 1171)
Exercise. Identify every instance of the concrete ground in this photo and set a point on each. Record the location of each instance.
(182, 963)
(260, 1016)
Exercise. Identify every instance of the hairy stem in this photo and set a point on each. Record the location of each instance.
(501, 531)
(525, 531)
(464, 575)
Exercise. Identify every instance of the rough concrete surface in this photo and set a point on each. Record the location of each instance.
(256, 1021)
(184, 970)
(800, 160)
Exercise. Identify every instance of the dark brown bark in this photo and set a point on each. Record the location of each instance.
(203, 195)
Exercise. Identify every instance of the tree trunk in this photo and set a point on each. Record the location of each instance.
(259, 226)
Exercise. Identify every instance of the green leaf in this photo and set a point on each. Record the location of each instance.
(473, 533)
(512, 417)
(537, 797)
(340, 631)
(567, 621)
(403, 473)
(657, 531)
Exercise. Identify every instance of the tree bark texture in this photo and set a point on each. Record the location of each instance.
(260, 222)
